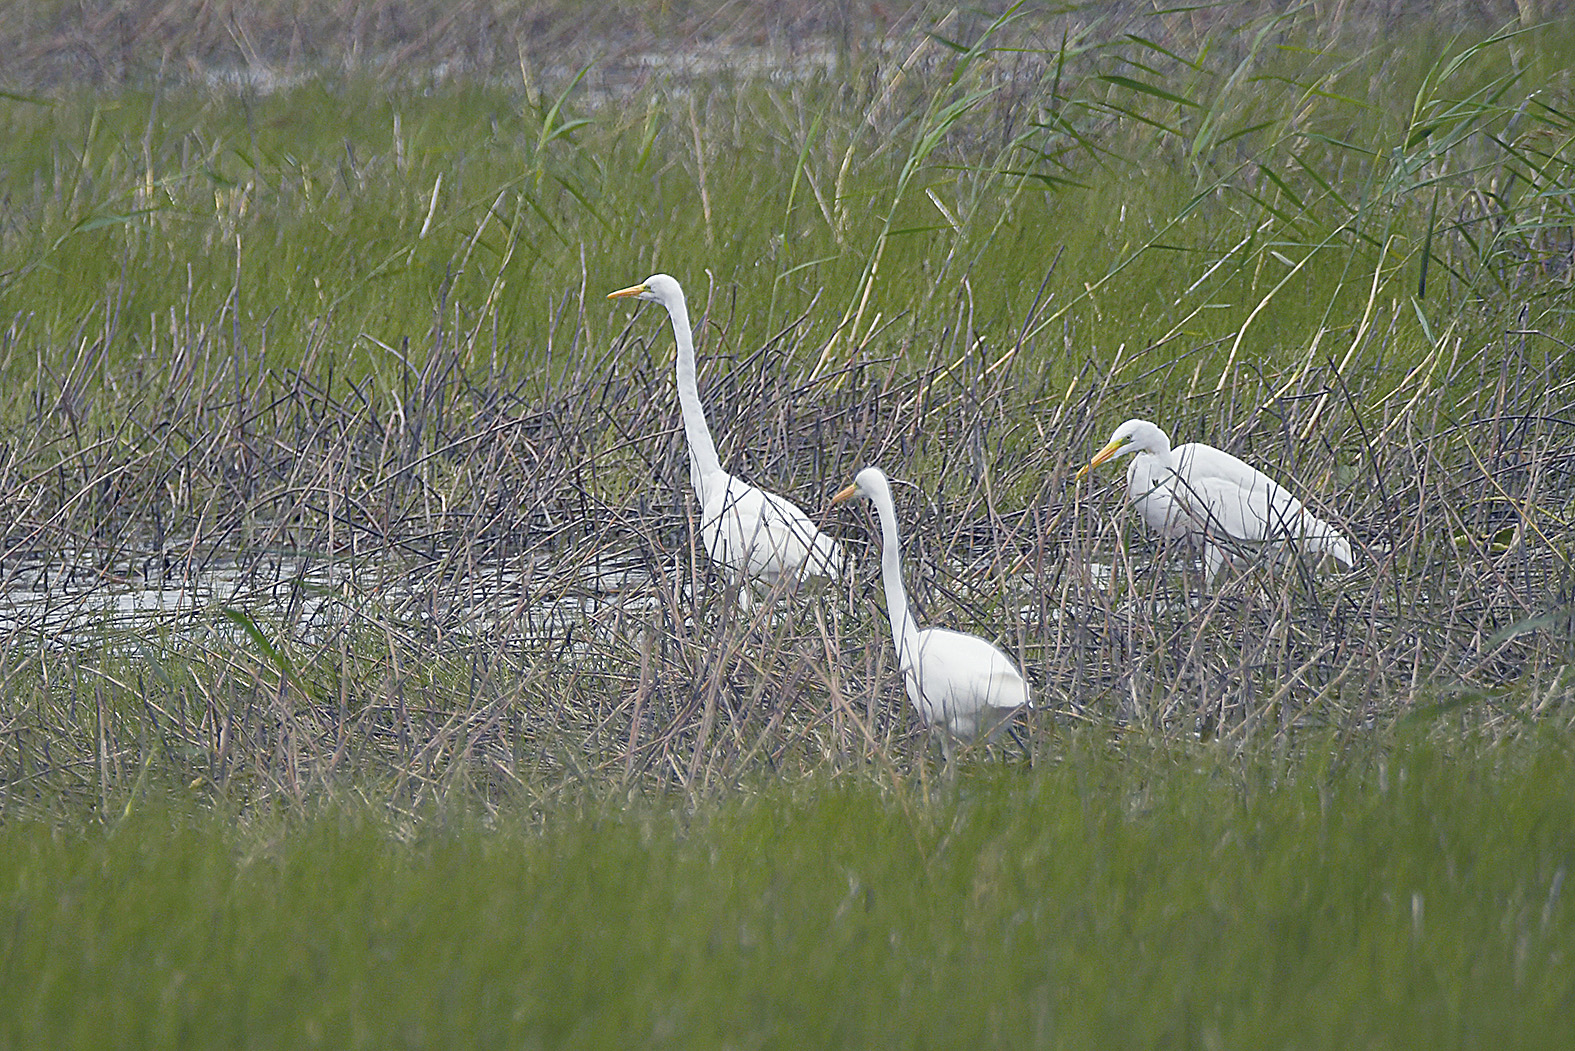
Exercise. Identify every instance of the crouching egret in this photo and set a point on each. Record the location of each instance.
(1202, 493)
(959, 683)
(756, 537)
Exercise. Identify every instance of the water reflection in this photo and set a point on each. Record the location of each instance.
(68, 601)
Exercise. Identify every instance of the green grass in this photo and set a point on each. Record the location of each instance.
(1305, 177)
(1404, 890)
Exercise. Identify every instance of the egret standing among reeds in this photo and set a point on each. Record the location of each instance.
(1205, 494)
(758, 538)
(959, 683)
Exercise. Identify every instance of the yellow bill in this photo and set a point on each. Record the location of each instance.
(1100, 457)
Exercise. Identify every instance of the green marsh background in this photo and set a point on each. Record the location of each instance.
(360, 687)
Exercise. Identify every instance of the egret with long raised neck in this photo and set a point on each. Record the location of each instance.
(757, 537)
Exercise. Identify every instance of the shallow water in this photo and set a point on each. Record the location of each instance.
(68, 602)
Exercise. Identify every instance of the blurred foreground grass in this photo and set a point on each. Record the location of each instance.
(1404, 889)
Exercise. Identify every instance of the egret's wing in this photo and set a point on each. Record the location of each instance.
(1169, 501)
(958, 678)
(1250, 507)
(1195, 459)
(817, 553)
(765, 535)
(1324, 538)
(1006, 688)
(1244, 503)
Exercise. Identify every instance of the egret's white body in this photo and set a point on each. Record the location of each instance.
(756, 537)
(1205, 494)
(958, 683)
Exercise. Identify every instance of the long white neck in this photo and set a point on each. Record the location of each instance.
(703, 461)
(1152, 465)
(1158, 452)
(1146, 472)
(904, 630)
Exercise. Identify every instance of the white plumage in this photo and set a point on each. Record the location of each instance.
(755, 536)
(958, 683)
(1205, 494)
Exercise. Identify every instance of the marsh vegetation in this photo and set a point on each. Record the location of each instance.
(350, 560)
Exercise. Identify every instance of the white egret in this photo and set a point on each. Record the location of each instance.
(1202, 493)
(756, 537)
(959, 683)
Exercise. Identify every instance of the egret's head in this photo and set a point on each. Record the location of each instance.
(1134, 436)
(866, 483)
(658, 288)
